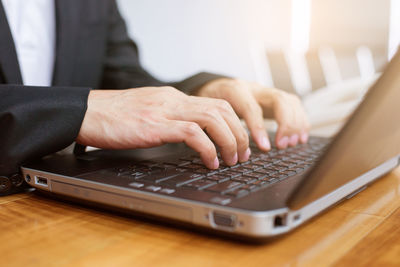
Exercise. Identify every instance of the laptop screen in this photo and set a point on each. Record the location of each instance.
(369, 138)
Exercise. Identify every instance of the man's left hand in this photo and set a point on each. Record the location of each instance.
(253, 102)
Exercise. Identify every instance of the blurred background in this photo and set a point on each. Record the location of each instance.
(326, 51)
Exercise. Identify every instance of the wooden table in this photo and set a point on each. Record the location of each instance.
(37, 231)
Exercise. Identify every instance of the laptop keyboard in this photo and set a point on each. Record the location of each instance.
(262, 170)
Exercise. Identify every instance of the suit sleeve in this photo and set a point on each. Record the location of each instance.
(37, 121)
(122, 67)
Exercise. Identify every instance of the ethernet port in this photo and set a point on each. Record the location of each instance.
(280, 220)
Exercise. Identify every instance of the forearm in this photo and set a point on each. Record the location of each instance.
(37, 121)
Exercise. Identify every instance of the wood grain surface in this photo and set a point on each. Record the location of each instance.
(39, 231)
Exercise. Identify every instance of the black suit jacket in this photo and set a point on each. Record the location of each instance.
(93, 50)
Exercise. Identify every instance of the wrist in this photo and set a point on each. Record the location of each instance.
(216, 87)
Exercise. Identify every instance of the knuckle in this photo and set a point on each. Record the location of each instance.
(170, 90)
(224, 105)
(213, 115)
(232, 83)
(192, 129)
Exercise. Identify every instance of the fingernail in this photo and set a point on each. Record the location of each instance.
(234, 159)
(304, 138)
(216, 163)
(246, 155)
(283, 143)
(265, 144)
(294, 139)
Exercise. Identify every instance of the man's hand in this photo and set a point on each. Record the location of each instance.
(152, 116)
(252, 102)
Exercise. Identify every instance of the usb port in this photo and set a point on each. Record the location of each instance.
(41, 181)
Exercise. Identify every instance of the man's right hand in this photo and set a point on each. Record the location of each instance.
(153, 116)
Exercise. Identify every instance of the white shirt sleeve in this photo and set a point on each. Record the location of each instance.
(32, 25)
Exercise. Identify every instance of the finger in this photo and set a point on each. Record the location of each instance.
(300, 124)
(297, 124)
(219, 131)
(209, 118)
(233, 121)
(283, 133)
(293, 140)
(191, 134)
(306, 129)
(288, 112)
(248, 108)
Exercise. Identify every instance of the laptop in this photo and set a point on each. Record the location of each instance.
(271, 194)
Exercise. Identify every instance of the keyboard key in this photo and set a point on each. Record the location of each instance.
(176, 162)
(136, 185)
(182, 179)
(294, 161)
(265, 164)
(244, 179)
(153, 188)
(252, 167)
(224, 187)
(205, 171)
(280, 168)
(295, 169)
(188, 158)
(254, 159)
(239, 192)
(223, 168)
(230, 173)
(286, 164)
(251, 187)
(244, 163)
(200, 184)
(220, 200)
(219, 178)
(129, 171)
(268, 171)
(258, 162)
(167, 191)
(149, 163)
(154, 178)
(280, 176)
(159, 176)
(193, 166)
(256, 175)
(288, 172)
(276, 160)
(272, 153)
(241, 169)
(180, 169)
(133, 176)
(259, 183)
